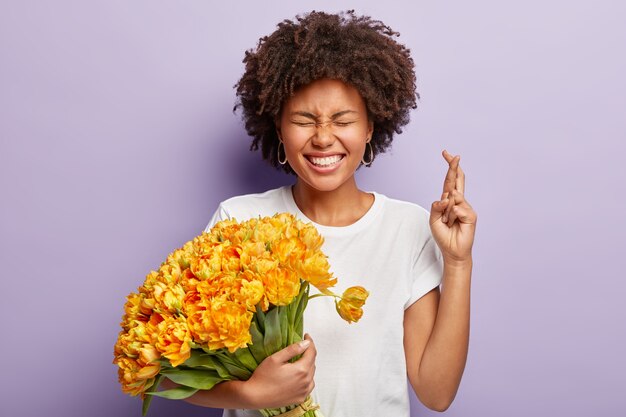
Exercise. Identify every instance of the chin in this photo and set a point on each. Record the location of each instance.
(323, 185)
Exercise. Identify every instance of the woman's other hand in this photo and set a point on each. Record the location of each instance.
(277, 382)
(452, 219)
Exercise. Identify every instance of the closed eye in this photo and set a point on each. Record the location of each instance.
(303, 124)
(341, 124)
(311, 124)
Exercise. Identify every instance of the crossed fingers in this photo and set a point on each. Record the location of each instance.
(453, 187)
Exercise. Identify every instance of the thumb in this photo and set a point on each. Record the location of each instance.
(295, 349)
(438, 208)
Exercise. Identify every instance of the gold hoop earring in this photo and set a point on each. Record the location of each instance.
(368, 163)
(284, 161)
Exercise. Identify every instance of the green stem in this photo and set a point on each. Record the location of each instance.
(323, 295)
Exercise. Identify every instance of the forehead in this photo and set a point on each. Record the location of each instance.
(325, 96)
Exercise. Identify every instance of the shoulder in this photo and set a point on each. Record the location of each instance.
(406, 221)
(245, 206)
(246, 200)
(404, 211)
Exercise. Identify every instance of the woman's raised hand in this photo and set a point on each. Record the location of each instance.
(276, 382)
(452, 219)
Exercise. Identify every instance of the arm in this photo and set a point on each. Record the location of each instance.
(436, 327)
(275, 383)
(227, 394)
(436, 338)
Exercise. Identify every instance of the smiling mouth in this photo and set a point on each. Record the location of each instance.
(326, 161)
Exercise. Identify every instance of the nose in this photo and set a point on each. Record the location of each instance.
(323, 136)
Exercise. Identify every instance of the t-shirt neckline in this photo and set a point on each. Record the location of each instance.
(360, 224)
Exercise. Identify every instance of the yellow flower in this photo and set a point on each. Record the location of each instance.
(311, 238)
(264, 264)
(290, 252)
(150, 280)
(283, 218)
(173, 340)
(168, 298)
(205, 266)
(126, 345)
(220, 324)
(189, 281)
(224, 226)
(281, 286)
(356, 295)
(227, 230)
(314, 268)
(136, 359)
(266, 232)
(128, 376)
(349, 306)
(170, 271)
(132, 312)
(148, 354)
(251, 251)
(219, 285)
(250, 291)
(149, 371)
(182, 256)
(230, 259)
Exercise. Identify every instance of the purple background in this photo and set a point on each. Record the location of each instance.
(117, 141)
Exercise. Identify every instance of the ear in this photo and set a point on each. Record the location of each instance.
(370, 130)
(277, 126)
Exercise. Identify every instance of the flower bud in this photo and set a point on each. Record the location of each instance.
(356, 296)
(349, 307)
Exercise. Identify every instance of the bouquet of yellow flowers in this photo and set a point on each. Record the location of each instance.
(221, 304)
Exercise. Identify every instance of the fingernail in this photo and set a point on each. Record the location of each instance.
(305, 344)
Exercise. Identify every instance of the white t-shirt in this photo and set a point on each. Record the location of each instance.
(360, 367)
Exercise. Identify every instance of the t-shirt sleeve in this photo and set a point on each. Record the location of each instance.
(219, 215)
(427, 271)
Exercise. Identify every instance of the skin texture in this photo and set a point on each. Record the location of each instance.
(436, 327)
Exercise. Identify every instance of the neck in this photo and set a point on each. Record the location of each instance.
(339, 207)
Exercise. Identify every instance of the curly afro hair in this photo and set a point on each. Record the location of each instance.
(354, 49)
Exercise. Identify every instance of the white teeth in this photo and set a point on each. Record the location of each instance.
(326, 161)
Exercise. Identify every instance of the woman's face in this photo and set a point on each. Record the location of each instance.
(324, 129)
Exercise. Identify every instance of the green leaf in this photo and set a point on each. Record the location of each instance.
(245, 357)
(298, 325)
(178, 393)
(303, 301)
(257, 348)
(298, 328)
(273, 338)
(148, 398)
(199, 358)
(293, 307)
(194, 378)
(260, 318)
(233, 366)
(220, 368)
(165, 363)
(284, 324)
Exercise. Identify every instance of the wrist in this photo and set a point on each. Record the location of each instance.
(248, 395)
(458, 263)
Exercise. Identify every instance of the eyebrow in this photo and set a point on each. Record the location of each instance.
(314, 117)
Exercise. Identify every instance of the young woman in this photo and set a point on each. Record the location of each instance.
(322, 96)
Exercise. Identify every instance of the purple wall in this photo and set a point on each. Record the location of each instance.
(117, 141)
